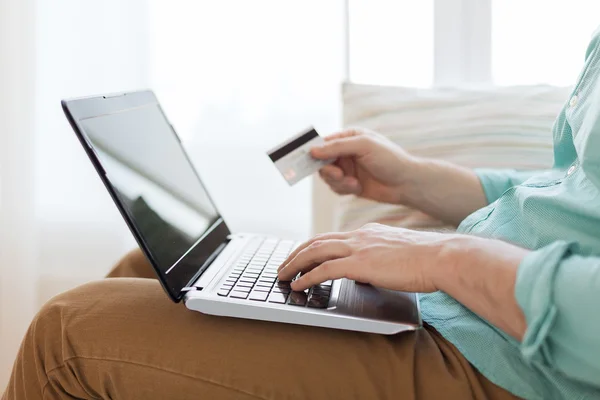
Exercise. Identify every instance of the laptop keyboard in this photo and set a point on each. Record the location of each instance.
(254, 277)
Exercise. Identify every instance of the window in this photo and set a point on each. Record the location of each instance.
(251, 72)
(469, 42)
(541, 41)
(391, 42)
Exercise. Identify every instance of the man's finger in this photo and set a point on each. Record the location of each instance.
(332, 172)
(343, 134)
(347, 165)
(329, 270)
(315, 254)
(348, 185)
(343, 147)
(323, 236)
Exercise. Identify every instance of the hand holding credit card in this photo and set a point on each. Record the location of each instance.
(293, 159)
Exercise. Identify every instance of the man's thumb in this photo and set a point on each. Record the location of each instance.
(343, 147)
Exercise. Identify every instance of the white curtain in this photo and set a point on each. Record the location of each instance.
(57, 226)
(82, 48)
(234, 77)
(17, 233)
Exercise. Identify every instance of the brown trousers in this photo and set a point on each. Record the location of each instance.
(124, 339)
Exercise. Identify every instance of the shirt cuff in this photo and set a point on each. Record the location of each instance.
(533, 291)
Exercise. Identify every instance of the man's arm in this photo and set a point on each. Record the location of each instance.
(481, 273)
(370, 166)
(548, 299)
(444, 190)
(450, 192)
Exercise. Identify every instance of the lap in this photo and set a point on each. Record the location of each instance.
(127, 332)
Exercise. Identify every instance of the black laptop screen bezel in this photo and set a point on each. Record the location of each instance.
(197, 258)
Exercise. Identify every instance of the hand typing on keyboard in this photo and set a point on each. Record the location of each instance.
(387, 257)
(254, 277)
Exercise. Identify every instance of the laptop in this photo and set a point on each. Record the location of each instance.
(197, 258)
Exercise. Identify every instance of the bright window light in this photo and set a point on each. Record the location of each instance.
(541, 41)
(391, 42)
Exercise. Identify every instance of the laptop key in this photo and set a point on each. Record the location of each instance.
(259, 296)
(318, 302)
(321, 291)
(242, 288)
(277, 298)
(298, 299)
(223, 292)
(236, 294)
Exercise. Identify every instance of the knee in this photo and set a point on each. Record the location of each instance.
(88, 301)
(44, 343)
(90, 312)
(69, 305)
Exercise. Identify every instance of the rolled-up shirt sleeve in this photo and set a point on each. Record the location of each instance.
(559, 293)
(497, 181)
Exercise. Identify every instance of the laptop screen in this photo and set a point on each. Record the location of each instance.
(157, 188)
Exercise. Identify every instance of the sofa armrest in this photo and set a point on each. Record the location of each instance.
(324, 202)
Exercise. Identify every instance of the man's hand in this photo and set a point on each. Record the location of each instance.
(383, 256)
(480, 273)
(368, 165)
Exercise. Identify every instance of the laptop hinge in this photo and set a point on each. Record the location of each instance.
(203, 268)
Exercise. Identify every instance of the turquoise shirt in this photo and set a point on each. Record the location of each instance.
(556, 214)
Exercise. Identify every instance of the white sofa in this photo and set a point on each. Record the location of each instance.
(506, 127)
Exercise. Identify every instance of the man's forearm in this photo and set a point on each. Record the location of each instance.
(445, 191)
(481, 274)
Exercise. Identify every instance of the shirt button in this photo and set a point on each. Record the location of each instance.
(571, 169)
(574, 100)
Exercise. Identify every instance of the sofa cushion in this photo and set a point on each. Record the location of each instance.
(496, 127)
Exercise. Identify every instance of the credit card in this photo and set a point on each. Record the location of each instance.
(292, 158)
